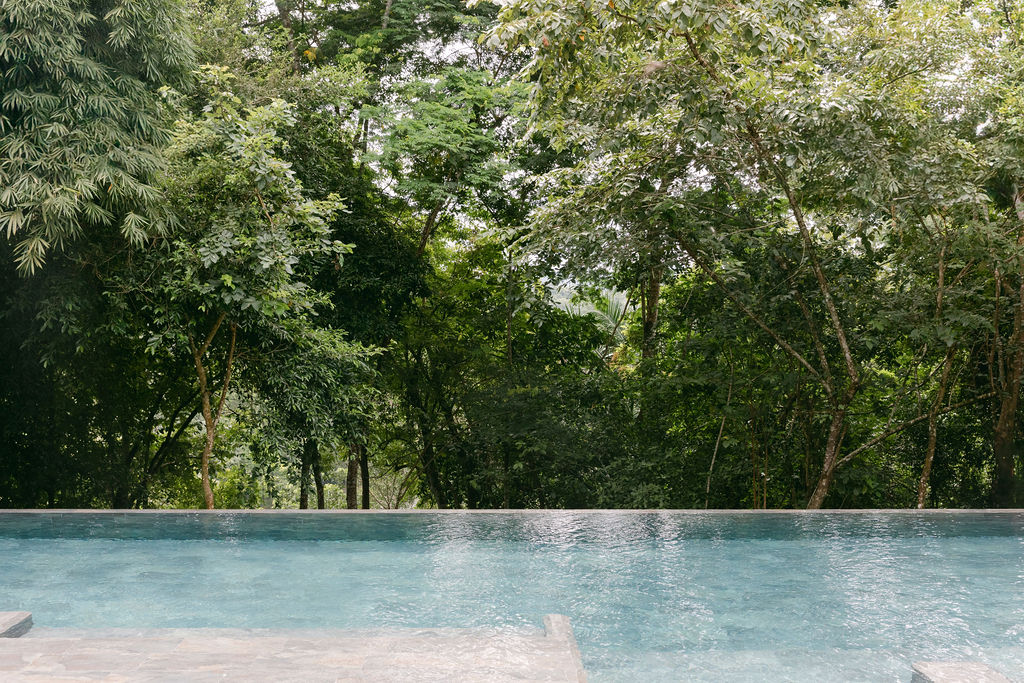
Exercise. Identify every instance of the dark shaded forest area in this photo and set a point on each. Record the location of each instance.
(547, 253)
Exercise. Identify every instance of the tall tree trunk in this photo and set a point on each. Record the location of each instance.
(650, 301)
(364, 469)
(838, 423)
(311, 463)
(211, 432)
(364, 136)
(1003, 445)
(718, 441)
(122, 489)
(506, 476)
(352, 483)
(211, 415)
(933, 430)
(933, 413)
(752, 443)
(430, 474)
(428, 227)
(318, 480)
(1005, 432)
(832, 446)
(509, 315)
(304, 470)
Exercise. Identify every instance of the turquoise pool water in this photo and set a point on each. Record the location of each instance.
(660, 596)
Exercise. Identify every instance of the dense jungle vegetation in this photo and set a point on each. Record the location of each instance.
(538, 253)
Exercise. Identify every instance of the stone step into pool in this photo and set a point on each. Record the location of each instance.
(201, 654)
(66, 654)
(15, 624)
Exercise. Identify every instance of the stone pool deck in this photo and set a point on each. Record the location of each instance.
(456, 655)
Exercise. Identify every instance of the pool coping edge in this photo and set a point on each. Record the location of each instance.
(422, 511)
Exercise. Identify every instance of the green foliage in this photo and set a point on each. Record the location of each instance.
(81, 125)
(649, 253)
(245, 225)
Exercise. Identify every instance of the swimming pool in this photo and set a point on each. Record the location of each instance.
(654, 596)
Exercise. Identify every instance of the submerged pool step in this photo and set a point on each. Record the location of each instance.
(956, 672)
(15, 624)
(463, 655)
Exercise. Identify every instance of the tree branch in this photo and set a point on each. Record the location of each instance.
(747, 310)
(896, 430)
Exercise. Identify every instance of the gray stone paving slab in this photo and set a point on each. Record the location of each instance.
(414, 655)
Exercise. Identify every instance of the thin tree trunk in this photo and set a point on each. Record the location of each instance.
(840, 406)
(211, 428)
(652, 298)
(428, 228)
(304, 477)
(430, 474)
(387, 16)
(364, 137)
(351, 484)
(311, 463)
(933, 415)
(1006, 428)
(318, 477)
(835, 435)
(764, 481)
(364, 469)
(509, 313)
(157, 461)
(753, 456)
(121, 496)
(506, 475)
(124, 490)
(210, 415)
(718, 442)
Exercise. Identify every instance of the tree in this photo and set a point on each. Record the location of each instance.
(81, 124)
(90, 418)
(761, 131)
(226, 284)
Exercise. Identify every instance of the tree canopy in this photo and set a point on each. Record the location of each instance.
(536, 253)
(81, 124)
